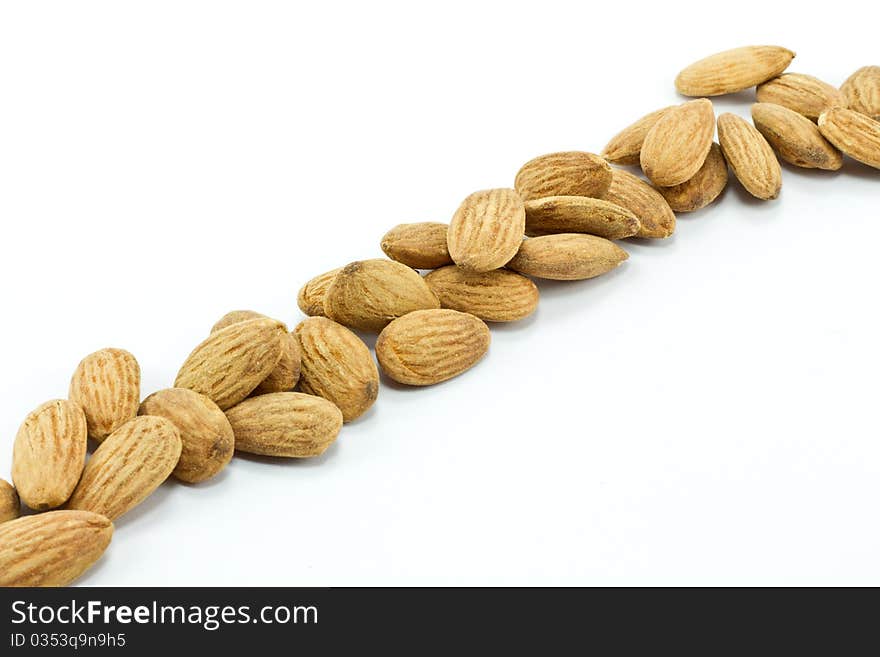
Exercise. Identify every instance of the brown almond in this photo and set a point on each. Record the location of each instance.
(486, 229)
(569, 173)
(626, 146)
(703, 188)
(10, 505)
(801, 93)
(862, 91)
(493, 296)
(795, 138)
(733, 70)
(311, 295)
(750, 156)
(677, 146)
(567, 257)
(420, 245)
(853, 133)
(107, 385)
(579, 214)
(430, 346)
(656, 219)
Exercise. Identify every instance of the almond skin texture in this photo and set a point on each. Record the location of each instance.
(290, 424)
(230, 364)
(733, 70)
(676, 147)
(579, 214)
(750, 156)
(430, 346)
(10, 505)
(207, 442)
(337, 366)
(107, 385)
(626, 146)
(855, 134)
(656, 219)
(567, 257)
(493, 296)
(368, 294)
(128, 466)
(570, 173)
(311, 295)
(486, 230)
(795, 138)
(419, 245)
(703, 188)
(801, 93)
(862, 91)
(51, 549)
(49, 454)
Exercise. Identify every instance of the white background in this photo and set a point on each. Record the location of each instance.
(704, 415)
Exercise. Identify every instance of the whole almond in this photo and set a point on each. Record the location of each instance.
(493, 296)
(486, 229)
(107, 385)
(656, 219)
(855, 134)
(127, 467)
(337, 365)
(626, 146)
(703, 188)
(579, 214)
(51, 549)
(290, 424)
(430, 346)
(801, 93)
(862, 91)
(570, 173)
(567, 257)
(677, 146)
(420, 245)
(750, 156)
(733, 70)
(231, 363)
(795, 138)
(10, 505)
(368, 294)
(49, 454)
(206, 438)
(311, 295)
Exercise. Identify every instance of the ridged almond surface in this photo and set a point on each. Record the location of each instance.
(801, 93)
(567, 257)
(107, 385)
(368, 294)
(337, 365)
(49, 454)
(862, 91)
(290, 424)
(419, 245)
(51, 549)
(486, 229)
(569, 173)
(129, 465)
(656, 219)
(579, 214)
(750, 156)
(206, 438)
(230, 364)
(10, 505)
(311, 295)
(795, 138)
(493, 296)
(703, 188)
(626, 146)
(677, 146)
(430, 346)
(854, 133)
(733, 70)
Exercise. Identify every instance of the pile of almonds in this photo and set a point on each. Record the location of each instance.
(252, 386)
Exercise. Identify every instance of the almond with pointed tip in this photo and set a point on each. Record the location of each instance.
(579, 214)
(733, 70)
(795, 138)
(801, 93)
(703, 188)
(419, 245)
(486, 230)
(656, 219)
(853, 133)
(678, 144)
(107, 385)
(862, 91)
(568, 173)
(311, 295)
(626, 146)
(750, 156)
(493, 296)
(567, 257)
(10, 505)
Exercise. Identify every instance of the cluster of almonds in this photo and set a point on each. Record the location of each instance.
(236, 389)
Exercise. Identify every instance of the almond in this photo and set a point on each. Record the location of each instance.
(567, 257)
(230, 364)
(733, 70)
(656, 219)
(703, 188)
(107, 385)
(337, 365)
(855, 134)
(311, 296)
(419, 245)
(493, 296)
(570, 173)
(207, 442)
(10, 505)
(626, 146)
(487, 229)
(430, 346)
(795, 138)
(862, 91)
(368, 294)
(51, 549)
(49, 454)
(677, 146)
(579, 214)
(290, 424)
(750, 156)
(801, 93)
